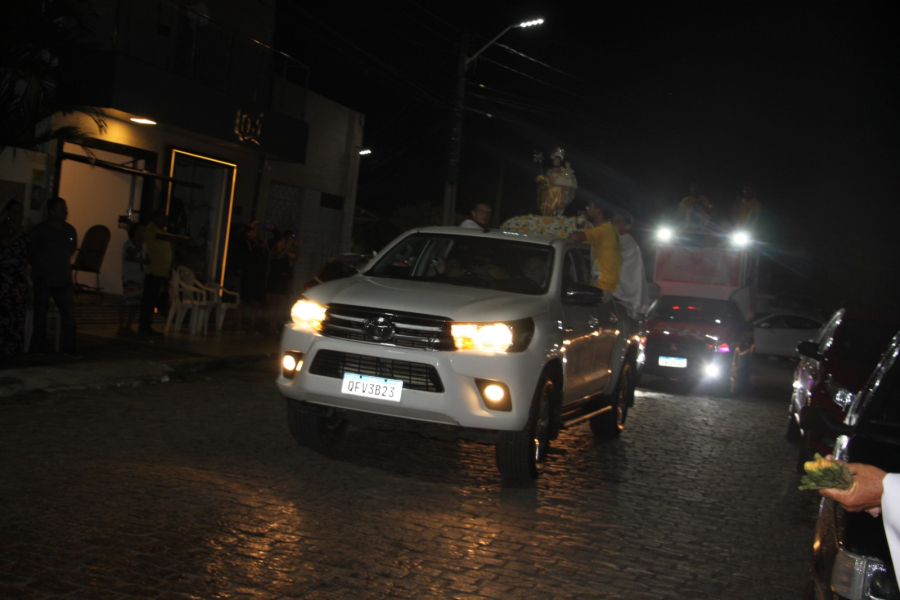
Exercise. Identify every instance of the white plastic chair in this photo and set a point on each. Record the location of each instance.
(188, 295)
(223, 300)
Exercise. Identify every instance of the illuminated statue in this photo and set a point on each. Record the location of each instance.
(556, 188)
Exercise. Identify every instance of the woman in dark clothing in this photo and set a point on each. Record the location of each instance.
(253, 259)
(281, 278)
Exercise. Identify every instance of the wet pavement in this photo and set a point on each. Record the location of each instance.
(194, 488)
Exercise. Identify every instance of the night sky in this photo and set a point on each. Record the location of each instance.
(799, 98)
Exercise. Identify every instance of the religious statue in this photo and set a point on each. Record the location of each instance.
(556, 188)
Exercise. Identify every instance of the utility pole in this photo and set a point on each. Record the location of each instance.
(449, 214)
(456, 130)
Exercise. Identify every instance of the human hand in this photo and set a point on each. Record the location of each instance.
(864, 494)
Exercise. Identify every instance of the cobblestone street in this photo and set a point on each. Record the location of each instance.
(195, 489)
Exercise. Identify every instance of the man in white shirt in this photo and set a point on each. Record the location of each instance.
(632, 288)
(479, 217)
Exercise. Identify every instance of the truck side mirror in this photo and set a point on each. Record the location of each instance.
(809, 350)
(582, 294)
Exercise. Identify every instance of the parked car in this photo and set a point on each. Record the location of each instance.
(489, 336)
(701, 339)
(851, 558)
(778, 334)
(338, 267)
(833, 366)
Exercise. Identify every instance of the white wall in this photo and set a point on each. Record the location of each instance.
(97, 196)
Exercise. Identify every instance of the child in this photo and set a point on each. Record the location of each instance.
(134, 257)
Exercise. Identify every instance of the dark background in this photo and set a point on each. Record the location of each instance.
(799, 98)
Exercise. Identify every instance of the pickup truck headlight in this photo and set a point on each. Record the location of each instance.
(308, 314)
(495, 337)
(513, 336)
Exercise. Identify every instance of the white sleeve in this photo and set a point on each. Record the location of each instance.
(890, 511)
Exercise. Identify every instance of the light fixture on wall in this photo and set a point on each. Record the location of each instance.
(142, 121)
(365, 152)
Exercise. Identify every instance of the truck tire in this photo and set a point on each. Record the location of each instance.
(521, 454)
(612, 422)
(321, 433)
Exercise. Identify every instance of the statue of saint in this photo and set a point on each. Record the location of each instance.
(556, 189)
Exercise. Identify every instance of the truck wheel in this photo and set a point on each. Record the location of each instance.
(521, 454)
(319, 432)
(612, 422)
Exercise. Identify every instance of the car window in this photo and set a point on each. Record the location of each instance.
(575, 267)
(500, 264)
(798, 322)
(862, 341)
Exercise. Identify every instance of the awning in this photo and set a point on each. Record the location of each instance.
(103, 164)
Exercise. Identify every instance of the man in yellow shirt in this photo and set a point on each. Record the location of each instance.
(606, 249)
(157, 273)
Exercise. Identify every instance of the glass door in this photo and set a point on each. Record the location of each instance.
(202, 213)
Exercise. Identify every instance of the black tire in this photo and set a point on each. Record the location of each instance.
(521, 454)
(316, 431)
(612, 422)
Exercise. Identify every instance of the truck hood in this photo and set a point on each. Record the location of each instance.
(438, 299)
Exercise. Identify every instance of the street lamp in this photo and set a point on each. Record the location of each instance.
(456, 130)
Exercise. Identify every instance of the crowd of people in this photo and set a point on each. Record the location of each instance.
(35, 267)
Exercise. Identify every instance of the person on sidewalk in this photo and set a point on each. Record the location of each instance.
(53, 242)
(158, 272)
(134, 260)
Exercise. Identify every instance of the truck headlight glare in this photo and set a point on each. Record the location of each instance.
(493, 337)
(308, 314)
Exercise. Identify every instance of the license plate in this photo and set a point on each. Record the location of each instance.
(372, 387)
(673, 361)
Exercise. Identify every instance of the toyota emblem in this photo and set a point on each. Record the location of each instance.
(380, 329)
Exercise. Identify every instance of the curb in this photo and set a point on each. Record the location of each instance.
(115, 374)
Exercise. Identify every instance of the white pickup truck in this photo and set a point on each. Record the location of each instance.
(488, 335)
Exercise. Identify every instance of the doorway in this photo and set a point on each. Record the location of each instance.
(202, 211)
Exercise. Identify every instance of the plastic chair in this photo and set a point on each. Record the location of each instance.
(90, 258)
(224, 300)
(188, 295)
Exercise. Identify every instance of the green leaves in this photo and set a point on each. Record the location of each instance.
(822, 473)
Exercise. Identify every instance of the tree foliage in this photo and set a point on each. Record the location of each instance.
(35, 38)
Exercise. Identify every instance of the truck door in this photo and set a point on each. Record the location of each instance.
(581, 333)
(607, 330)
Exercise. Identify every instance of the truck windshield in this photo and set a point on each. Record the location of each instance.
(505, 265)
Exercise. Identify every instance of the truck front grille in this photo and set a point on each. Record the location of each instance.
(415, 376)
(393, 328)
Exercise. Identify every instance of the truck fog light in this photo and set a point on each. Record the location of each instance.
(494, 394)
(857, 577)
(291, 363)
(711, 370)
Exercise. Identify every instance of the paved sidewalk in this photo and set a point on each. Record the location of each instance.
(110, 359)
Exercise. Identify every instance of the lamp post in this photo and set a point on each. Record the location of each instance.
(456, 130)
